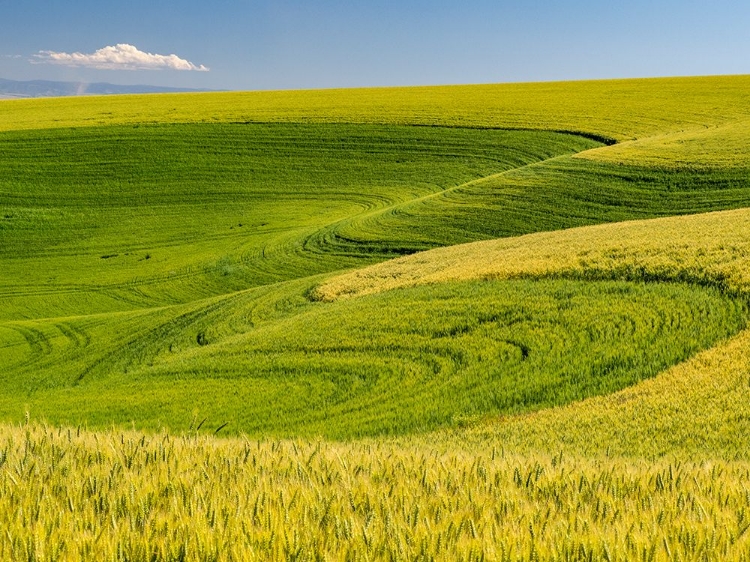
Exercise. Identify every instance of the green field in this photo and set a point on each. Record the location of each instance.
(502, 322)
(407, 360)
(117, 219)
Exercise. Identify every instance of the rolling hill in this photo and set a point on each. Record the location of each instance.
(501, 322)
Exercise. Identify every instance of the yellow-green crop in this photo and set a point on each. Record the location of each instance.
(73, 495)
(214, 265)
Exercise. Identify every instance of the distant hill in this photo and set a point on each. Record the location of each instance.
(48, 88)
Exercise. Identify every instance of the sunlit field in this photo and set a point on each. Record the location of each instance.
(501, 322)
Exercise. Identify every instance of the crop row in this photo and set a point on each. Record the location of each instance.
(111, 219)
(403, 361)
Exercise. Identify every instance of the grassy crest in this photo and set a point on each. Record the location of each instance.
(678, 114)
(704, 249)
(618, 109)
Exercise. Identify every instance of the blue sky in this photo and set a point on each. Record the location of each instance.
(330, 43)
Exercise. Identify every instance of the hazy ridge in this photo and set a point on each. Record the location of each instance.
(49, 89)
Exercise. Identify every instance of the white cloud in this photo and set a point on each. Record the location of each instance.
(120, 57)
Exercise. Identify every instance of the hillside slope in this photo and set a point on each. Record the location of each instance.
(571, 382)
(168, 242)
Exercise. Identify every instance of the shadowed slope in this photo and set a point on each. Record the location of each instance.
(111, 219)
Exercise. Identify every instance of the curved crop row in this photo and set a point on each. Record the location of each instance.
(396, 363)
(113, 219)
